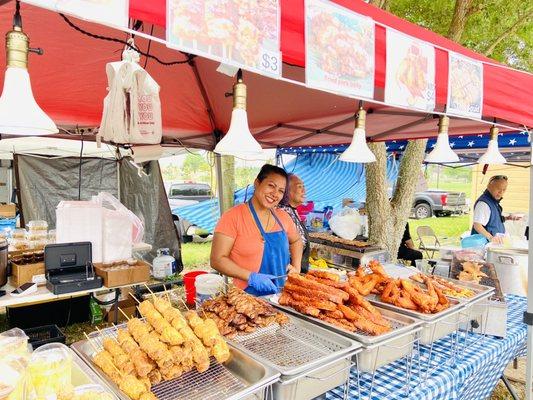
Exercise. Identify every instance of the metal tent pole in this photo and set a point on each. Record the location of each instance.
(528, 315)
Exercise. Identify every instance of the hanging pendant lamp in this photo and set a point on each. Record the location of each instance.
(19, 112)
(492, 155)
(442, 152)
(239, 141)
(358, 151)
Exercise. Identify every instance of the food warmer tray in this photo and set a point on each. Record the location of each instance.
(400, 323)
(295, 347)
(82, 374)
(238, 378)
(481, 291)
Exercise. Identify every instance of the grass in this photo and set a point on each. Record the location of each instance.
(195, 255)
(444, 227)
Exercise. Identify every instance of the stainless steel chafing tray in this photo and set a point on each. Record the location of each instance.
(239, 377)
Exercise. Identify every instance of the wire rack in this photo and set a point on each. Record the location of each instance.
(289, 345)
(218, 382)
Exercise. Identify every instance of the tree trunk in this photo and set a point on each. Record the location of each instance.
(377, 202)
(228, 188)
(463, 9)
(383, 4)
(386, 218)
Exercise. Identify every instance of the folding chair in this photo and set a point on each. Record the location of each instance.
(428, 241)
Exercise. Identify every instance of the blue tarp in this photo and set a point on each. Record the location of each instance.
(327, 181)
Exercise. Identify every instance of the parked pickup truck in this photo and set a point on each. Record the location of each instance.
(184, 194)
(439, 203)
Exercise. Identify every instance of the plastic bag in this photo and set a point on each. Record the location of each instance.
(346, 223)
(13, 342)
(109, 201)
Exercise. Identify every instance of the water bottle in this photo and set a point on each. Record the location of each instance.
(163, 265)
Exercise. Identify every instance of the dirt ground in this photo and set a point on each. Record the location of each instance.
(517, 379)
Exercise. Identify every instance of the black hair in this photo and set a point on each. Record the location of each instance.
(269, 169)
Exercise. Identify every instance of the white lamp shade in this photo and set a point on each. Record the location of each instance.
(19, 113)
(239, 141)
(492, 155)
(442, 152)
(358, 150)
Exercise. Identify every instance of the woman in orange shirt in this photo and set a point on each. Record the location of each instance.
(254, 241)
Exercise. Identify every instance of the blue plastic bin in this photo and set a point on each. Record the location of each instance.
(475, 241)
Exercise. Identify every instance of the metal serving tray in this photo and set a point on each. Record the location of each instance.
(82, 374)
(295, 347)
(238, 378)
(400, 324)
(480, 291)
(455, 305)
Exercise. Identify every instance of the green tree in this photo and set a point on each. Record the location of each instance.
(196, 168)
(500, 29)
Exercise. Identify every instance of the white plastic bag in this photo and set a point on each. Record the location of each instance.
(132, 109)
(346, 223)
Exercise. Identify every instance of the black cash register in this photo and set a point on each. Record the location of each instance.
(69, 268)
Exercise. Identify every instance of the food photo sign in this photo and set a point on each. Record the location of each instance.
(107, 12)
(339, 48)
(410, 77)
(465, 86)
(241, 33)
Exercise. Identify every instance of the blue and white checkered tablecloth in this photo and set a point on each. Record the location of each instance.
(472, 375)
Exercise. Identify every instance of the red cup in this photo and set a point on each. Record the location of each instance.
(190, 290)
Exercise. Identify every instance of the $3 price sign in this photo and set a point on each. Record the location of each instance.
(270, 62)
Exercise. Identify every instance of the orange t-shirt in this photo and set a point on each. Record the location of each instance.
(247, 251)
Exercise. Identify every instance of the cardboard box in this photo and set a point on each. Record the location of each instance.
(22, 273)
(128, 306)
(8, 210)
(114, 276)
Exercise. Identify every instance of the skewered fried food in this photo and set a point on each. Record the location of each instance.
(308, 283)
(168, 334)
(154, 376)
(148, 396)
(150, 343)
(312, 293)
(143, 364)
(341, 323)
(324, 275)
(132, 387)
(120, 358)
(320, 304)
(104, 360)
(286, 300)
(447, 287)
(337, 314)
(327, 282)
(220, 350)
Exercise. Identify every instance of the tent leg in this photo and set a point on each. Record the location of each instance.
(509, 387)
(529, 313)
(220, 194)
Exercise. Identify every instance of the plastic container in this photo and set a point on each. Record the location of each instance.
(12, 378)
(189, 281)
(19, 234)
(37, 225)
(50, 370)
(163, 265)
(37, 235)
(208, 286)
(475, 241)
(13, 342)
(20, 244)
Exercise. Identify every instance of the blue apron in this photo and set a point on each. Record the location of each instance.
(275, 253)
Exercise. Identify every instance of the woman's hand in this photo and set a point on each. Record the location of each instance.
(291, 268)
